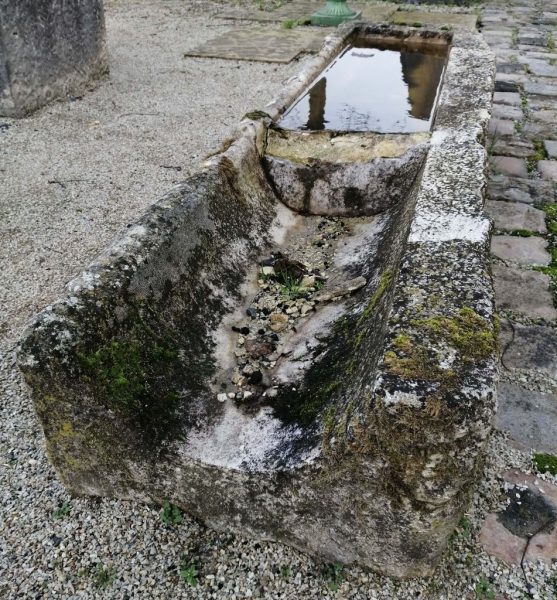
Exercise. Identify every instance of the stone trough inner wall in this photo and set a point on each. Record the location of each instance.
(122, 371)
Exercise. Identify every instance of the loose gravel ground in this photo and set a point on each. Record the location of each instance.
(73, 176)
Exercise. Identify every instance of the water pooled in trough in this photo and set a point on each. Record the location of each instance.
(372, 88)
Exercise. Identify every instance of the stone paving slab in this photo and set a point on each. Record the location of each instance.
(529, 251)
(519, 189)
(513, 148)
(551, 148)
(529, 417)
(531, 512)
(436, 19)
(546, 116)
(541, 68)
(523, 292)
(509, 165)
(501, 127)
(532, 347)
(301, 9)
(261, 44)
(509, 82)
(505, 111)
(508, 98)
(511, 216)
(540, 89)
(548, 169)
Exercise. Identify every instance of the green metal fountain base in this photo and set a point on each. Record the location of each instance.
(334, 13)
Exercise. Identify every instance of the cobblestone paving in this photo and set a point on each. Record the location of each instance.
(522, 202)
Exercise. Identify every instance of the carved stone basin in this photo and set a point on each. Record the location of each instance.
(298, 342)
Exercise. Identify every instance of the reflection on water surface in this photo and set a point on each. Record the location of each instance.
(372, 89)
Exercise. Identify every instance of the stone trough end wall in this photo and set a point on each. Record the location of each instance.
(122, 370)
(49, 49)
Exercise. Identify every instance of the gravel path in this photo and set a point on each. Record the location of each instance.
(73, 176)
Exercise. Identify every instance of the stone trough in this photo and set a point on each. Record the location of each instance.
(298, 343)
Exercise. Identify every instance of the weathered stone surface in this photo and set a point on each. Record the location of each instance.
(542, 68)
(544, 116)
(532, 347)
(517, 189)
(510, 194)
(529, 251)
(423, 17)
(529, 417)
(501, 127)
(261, 44)
(540, 89)
(513, 148)
(507, 98)
(532, 39)
(535, 130)
(548, 169)
(509, 165)
(327, 146)
(511, 216)
(351, 188)
(509, 67)
(524, 292)
(366, 446)
(50, 49)
(508, 82)
(504, 111)
(551, 148)
(530, 513)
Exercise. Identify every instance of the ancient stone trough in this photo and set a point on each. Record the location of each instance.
(298, 342)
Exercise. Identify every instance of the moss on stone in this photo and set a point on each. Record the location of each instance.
(418, 365)
(545, 463)
(132, 374)
(319, 387)
(473, 336)
(384, 282)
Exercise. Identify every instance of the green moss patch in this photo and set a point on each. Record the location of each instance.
(473, 337)
(545, 463)
(134, 374)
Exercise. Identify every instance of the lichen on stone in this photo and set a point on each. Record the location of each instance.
(416, 355)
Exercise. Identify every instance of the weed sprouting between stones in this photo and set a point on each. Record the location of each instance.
(292, 23)
(285, 571)
(62, 511)
(334, 574)
(539, 154)
(189, 573)
(102, 576)
(514, 36)
(484, 590)
(170, 514)
(551, 224)
(463, 530)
